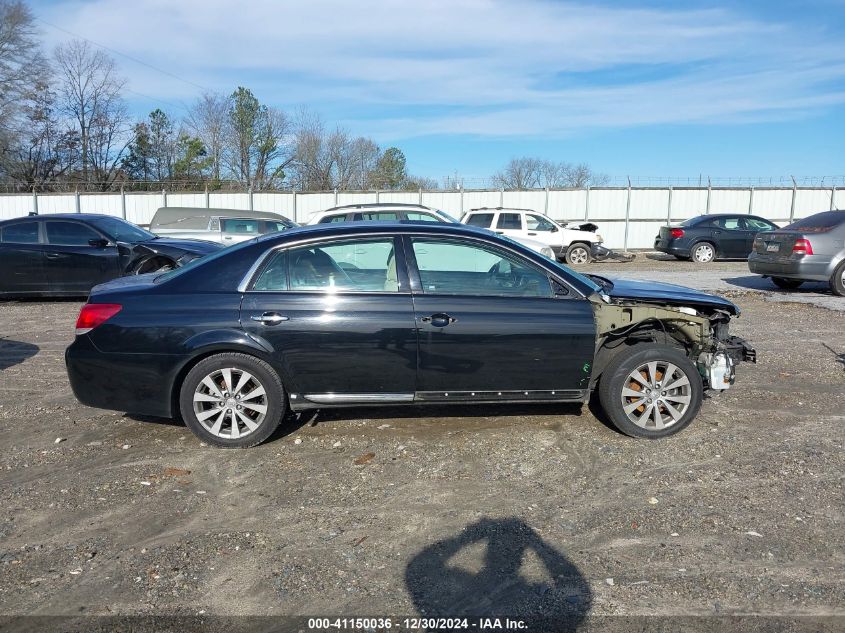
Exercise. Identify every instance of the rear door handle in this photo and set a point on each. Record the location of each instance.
(439, 319)
(269, 318)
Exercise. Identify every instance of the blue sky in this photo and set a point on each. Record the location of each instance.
(646, 89)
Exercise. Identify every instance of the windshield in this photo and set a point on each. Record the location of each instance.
(445, 215)
(122, 231)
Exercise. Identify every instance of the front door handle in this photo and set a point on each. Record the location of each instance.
(53, 256)
(439, 319)
(270, 318)
(717, 232)
(530, 233)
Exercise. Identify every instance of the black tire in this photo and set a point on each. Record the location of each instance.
(837, 281)
(786, 284)
(578, 254)
(616, 377)
(696, 257)
(263, 375)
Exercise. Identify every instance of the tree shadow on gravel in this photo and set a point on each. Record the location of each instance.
(15, 352)
(520, 576)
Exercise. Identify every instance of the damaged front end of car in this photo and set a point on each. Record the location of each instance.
(700, 327)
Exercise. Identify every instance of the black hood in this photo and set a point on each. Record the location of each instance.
(176, 247)
(656, 292)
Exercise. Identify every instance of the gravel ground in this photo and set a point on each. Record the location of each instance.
(502, 509)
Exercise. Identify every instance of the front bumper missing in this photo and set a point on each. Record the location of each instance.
(719, 368)
(600, 252)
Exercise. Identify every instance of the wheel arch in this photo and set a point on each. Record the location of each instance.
(216, 342)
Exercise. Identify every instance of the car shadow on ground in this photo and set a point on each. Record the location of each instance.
(15, 352)
(428, 411)
(756, 282)
(498, 568)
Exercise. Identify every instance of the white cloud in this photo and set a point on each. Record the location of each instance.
(486, 67)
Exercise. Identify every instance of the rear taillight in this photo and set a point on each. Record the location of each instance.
(802, 247)
(95, 314)
(676, 233)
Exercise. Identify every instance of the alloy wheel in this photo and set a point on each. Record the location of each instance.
(230, 403)
(656, 395)
(579, 255)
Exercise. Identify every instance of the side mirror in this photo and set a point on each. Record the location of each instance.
(554, 229)
(98, 243)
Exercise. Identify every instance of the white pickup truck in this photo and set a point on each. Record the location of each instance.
(226, 226)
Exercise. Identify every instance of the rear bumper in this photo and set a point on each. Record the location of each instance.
(671, 248)
(809, 267)
(134, 383)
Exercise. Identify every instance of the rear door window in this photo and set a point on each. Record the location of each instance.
(729, 223)
(417, 216)
(23, 233)
(379, 216)
(756, 224)
(238, 226)
(331, 219)
(70, 234)
(509, 221)
(483, 220)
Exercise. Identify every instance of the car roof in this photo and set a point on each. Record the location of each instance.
(357, 228)
(378, 205)
(197, 217)
(60, 216)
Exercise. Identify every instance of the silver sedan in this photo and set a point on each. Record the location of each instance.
(812, 249)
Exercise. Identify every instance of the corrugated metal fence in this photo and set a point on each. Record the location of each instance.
(628, 217)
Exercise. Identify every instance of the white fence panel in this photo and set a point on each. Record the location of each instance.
(773, 204)
(140, 207)
(649, 203)
(839, 199)
(534, 200)
(729, 200)
(186, 199)
(356, 197)
(478, 199)
(608, 204)
(688, 203)
(281, 203)
(308, 204)
(228, 200)
(15, 205)
(105, 203)
(568, 204)
(400, 197)
(810, 201)
(57, 203)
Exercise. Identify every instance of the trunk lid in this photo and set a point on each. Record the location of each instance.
(776, 244)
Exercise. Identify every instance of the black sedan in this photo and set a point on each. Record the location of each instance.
(68, 254)
(705, 238)
(373, 314)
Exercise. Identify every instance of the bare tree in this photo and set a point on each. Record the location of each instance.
(365, 155)
(21, 63)
(533, 173)
(207, 121)
(90, 93)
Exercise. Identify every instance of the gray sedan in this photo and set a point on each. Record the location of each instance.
(812, 249)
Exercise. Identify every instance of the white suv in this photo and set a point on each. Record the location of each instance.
(399, 212)
(576, 246)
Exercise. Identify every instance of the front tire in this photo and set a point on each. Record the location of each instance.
(703, 253)
(578, 254)
(232, 400)
(837, 281)
(786, 284)
(651, 391)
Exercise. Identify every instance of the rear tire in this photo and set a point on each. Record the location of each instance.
(837, 281)
(703, 253)
(644, 368)
(578, 254)
(232, 400)
(786, 284)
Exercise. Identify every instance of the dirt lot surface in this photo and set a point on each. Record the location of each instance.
(508, 509)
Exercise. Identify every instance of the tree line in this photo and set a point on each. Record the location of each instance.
(64, 123)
